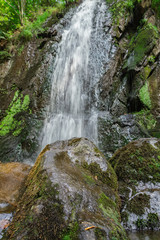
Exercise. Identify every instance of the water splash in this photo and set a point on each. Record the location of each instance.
(78, 67)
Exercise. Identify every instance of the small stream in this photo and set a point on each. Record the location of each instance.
(144, 235)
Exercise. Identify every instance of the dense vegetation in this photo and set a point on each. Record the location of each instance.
(156, 6)
(17, 15)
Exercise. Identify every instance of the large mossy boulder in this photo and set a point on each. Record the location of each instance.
(70, 193)
(137, 166)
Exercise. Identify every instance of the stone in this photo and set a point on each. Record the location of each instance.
(70, 193)
(154, 84)
(116, 132)
(138, 169)
(12, 176)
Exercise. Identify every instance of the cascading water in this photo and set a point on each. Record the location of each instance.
(80, 62)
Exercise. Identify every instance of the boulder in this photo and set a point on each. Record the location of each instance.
(138, 169)
(12, 176)
(70, 193)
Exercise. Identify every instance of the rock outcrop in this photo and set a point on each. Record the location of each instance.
(137, 166)
(70, 193)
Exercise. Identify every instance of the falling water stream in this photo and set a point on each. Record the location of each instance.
(81, 60)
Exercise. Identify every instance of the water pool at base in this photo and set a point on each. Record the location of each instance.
(144, 235)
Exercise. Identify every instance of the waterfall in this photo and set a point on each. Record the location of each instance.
(79, 64)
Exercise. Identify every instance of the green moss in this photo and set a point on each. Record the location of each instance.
(135, 162)
(146, 119)
(72, 232)
(124, 217)
(89, 179)
(138, 204)
(140, 45)
(106, 201)
(119, 8)
(141, 224)
(100, 234)
(145, 96)
(110, 211)
(97, 151)
(152, 222)
(108, 177)
(9, 123)
(147, 71)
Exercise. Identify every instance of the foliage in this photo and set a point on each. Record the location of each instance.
(156, 6)
(10, 123)
(18, 14)
(119, 8)
(35, 27)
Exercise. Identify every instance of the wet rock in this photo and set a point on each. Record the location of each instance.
(70, 193)
(154, 82)
(138, 169)
(12, 176)
(115, 132)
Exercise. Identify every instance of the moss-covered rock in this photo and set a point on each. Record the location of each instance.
(140, 45)
(138, 169)
(70, 193)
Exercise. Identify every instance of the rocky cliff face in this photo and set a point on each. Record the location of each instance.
(128, 92)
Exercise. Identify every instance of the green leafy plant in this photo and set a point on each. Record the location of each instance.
(10, 123)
